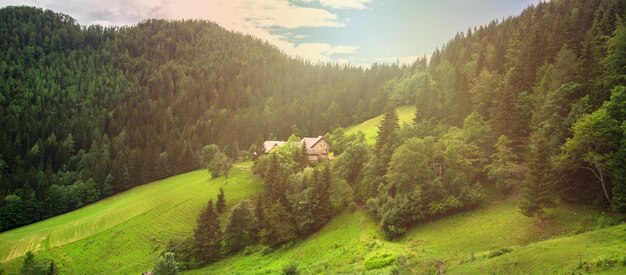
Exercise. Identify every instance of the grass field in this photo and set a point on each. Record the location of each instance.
(125, 233)
(351, 243)
(370, 126)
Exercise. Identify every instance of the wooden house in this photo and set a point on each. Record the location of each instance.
(317, 148)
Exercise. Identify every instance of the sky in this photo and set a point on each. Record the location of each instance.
(358, 32)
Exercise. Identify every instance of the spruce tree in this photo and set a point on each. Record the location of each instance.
(504, 169)
(221, 201)
(120, 173)
(259, 215)
(107, 187)
(167, 265)
(322, 190)
(52, 269)
(538, 187)
(238, 229)
(386, 127)
(208, 236)
(30, 265)
(303, 157)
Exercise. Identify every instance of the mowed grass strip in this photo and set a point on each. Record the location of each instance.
(370, 126)
(126, 232)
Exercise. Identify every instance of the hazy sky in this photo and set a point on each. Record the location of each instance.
(355, 31)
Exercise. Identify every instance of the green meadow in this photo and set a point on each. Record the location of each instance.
(370, 126)
(466, 243)
(126, 232)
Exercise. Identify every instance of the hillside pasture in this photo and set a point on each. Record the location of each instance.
(126, 232)
(495, 238)
(370, 126)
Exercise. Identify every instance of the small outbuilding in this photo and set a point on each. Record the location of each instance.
(268, 145)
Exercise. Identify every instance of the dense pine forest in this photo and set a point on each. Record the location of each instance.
(88, 112)
(533, 106)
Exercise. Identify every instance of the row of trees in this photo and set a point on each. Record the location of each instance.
(107, 109)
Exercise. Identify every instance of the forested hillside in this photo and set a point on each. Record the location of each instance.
(522, 114)
(534, 104)
(87, 112)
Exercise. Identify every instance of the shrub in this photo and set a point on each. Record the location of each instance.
(352, 207)
(379, 261)
(166, 265)
(604, 262)
(291, 269)
(496, 253)
(266, 250)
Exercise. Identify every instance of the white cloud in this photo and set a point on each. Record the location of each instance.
(282, 14)
(344, 4)
(321, 51)
(256, 18)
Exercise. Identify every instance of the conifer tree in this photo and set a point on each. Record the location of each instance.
(259, 215)
(538, 191)
(238, 229)
(389, 123)
(120, 172)
(279, 229)
(52, 269)
(166, 265)
(504, 170)
(31, 266)
(208, 236)
(322, 190)
(107, 187)
(221, 201)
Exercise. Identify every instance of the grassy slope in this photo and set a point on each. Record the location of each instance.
(370, 126)
(352, 239)
(125, 233)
